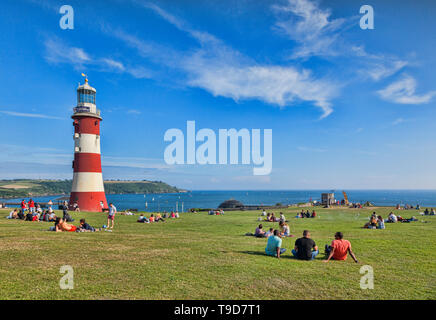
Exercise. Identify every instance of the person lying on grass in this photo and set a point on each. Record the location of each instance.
(63, 226)
(305, 248)
(142, 219)
(339, 249)
(85, 227)
(273, 245)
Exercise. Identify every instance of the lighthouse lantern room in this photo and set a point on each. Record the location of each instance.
(87, 191)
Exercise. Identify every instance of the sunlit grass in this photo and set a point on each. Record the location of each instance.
(209, 257)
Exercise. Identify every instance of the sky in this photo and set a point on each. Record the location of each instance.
(349, 108)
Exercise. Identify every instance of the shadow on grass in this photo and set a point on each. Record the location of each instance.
(285, 255)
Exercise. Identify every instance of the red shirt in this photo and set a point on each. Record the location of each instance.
(31, 204)
(341, 249)
(23, 205)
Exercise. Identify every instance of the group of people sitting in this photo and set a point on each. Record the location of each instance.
(158, 217)
(306, 214)
(306, 249)
(47, 215)
(216, 212)
(429, 212)
(377, 222)
(270, 217)
(284, 231)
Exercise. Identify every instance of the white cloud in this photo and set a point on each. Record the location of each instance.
(58, 52)
(310, 26)
(113, 64)
(30, 115)
(403, 92)
(224, 71)
(317, 34)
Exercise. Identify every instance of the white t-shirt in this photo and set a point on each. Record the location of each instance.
(112, 210)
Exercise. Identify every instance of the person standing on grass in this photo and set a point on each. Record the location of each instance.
(31, 206)
(23, 205)
(111, 215)
(305, 248)
(273, 245)
(339, 249)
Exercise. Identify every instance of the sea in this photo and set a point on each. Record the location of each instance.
(212, 199)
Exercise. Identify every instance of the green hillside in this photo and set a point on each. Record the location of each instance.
(26, 188)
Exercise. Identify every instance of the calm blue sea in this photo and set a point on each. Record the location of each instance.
(211, 199)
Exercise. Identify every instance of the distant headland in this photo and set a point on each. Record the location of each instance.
(44, 187)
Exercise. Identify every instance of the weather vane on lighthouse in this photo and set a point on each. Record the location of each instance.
(87, 191)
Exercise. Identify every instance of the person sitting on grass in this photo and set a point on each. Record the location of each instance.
(269, 233)
(282, 217)
(173, 215)
(380, 223)
(178, 216)
(151, 218)
(372, 224)
(85, 227)
(66, 216)
(13, 214)
(313, 214)
(305, 248)
(307, 214)
(273, 218)
(339, 249)
(159, 218)
(285, 231)
(63, 226)
(392, 218)
(268, 215)
(426, 212)
(259, 232)
(432, 212)
(51, 216)
(273, 245)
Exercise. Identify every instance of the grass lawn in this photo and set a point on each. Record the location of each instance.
(209, 257)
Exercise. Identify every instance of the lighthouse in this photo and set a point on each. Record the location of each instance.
(87, 190)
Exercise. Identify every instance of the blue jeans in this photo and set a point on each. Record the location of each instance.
(282, 250)
(314, 253)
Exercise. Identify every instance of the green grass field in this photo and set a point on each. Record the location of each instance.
(209, 257)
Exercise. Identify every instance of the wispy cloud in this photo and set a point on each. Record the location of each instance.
(310, 149)
(316, 33)
(224, 71)
(134, 111)
(310, 26)
(30, 115)
(59, 52)
(403, 91)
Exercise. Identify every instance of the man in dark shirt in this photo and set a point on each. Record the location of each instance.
(304, 246)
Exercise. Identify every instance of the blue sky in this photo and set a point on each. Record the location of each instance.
(349, 108)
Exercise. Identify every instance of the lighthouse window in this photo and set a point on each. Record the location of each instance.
(86, 96)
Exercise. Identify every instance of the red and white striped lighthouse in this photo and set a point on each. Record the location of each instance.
(88, 189)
